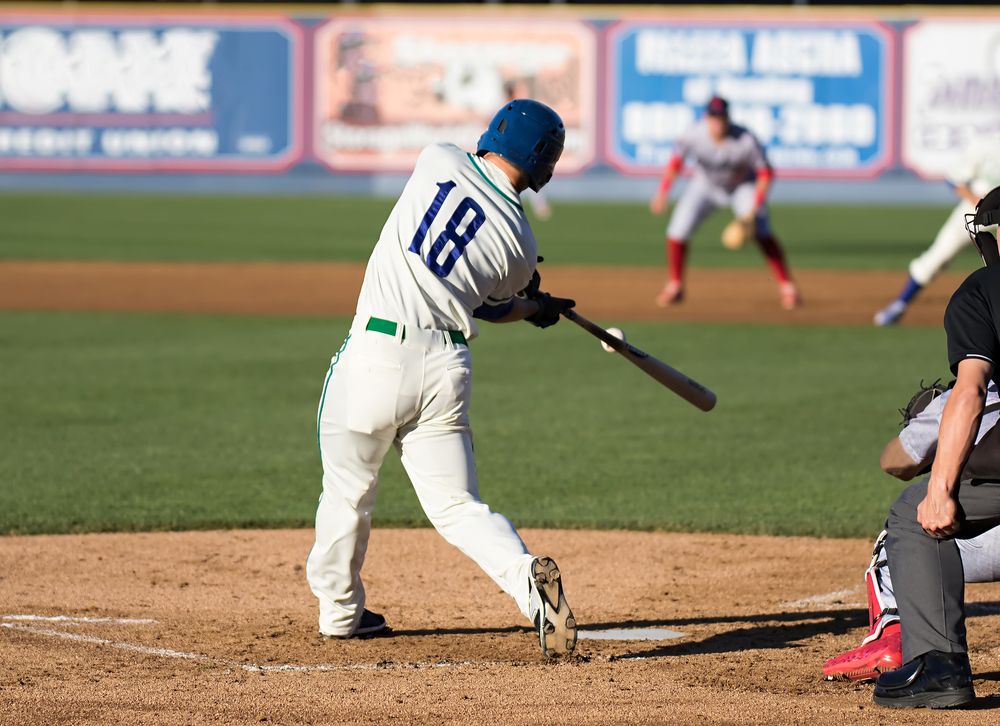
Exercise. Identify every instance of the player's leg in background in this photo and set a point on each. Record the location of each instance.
(436, 451)
(539, 203)
(950, 240)
(355, 430)
(742, 204)
(981, 556)
(694, 206)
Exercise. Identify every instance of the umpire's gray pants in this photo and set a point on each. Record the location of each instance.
(927, 574)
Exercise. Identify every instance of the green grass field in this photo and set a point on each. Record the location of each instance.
(135, 422)
(210, 228)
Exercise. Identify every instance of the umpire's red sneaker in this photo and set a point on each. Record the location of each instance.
(867, 661)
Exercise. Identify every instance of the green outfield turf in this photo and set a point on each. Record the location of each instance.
(135, 422)
(209, 228)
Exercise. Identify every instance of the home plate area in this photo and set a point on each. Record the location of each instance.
(197, 627)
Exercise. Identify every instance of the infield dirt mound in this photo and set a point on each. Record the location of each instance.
(207, 627)
(837, 297)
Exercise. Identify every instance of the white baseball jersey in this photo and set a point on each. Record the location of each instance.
(979, 168)
(920, 437)
(727, 165)
(456, 240)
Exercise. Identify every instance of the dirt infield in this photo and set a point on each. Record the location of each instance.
(206, 627)
(219, 627)
(839, 297)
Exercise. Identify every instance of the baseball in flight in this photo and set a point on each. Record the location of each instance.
(618, 334)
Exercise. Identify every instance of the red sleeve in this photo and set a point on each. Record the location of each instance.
(675, 164)
(766, 174)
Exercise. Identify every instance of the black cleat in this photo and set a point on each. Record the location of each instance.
(932, 680)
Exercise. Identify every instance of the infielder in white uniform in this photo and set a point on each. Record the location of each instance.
(977, 173)
(730, 170)
(455, 248)
(905, 457)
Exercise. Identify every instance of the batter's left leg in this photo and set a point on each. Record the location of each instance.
(351, 461)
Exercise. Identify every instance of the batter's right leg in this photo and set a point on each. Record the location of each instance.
(951, 239)
(694, 207)
(436, 451)
(440, 464)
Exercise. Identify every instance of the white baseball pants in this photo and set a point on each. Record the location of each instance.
(700, 199)
(411, 390)
(951, 239)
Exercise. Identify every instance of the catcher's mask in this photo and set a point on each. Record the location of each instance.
(987, 214)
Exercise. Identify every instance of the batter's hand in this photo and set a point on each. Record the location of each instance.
(549, 309)
(656, 206)
(938, 514)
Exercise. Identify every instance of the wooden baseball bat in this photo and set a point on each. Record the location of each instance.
(691, 391)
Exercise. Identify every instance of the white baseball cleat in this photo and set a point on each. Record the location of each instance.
(549, 610)
(890, 314)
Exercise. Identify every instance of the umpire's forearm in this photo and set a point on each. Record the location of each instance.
(959, 424)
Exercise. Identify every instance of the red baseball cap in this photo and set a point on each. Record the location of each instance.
(718, 107)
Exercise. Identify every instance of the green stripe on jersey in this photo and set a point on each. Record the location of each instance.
(475, 165)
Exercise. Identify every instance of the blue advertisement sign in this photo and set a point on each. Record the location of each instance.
(142, 92)
(817, 96)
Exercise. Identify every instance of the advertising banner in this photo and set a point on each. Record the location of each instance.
(387, 87)
(818, 96)
(101, 92)
(951, 91)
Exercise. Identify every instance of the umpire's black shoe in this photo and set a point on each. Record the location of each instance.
(932, 680)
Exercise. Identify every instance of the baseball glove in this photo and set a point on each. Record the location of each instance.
(738, 232)
(921, 400)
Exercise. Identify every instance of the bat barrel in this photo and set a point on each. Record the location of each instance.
(687, 388)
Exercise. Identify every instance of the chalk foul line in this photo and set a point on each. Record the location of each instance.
(832, 601)
(220, 662)
(65, 619)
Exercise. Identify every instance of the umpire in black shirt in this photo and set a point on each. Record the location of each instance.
(928, 516)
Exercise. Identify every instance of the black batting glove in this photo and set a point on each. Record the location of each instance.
(531, 289)
(549, 309)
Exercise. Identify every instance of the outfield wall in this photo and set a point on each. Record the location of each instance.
(342, 98)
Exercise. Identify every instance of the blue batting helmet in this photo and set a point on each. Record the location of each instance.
(528, 134)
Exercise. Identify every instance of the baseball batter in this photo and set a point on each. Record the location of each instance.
(905, 457)
(977, 172)
(536, 198)
(730, 169)
(456, 248)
